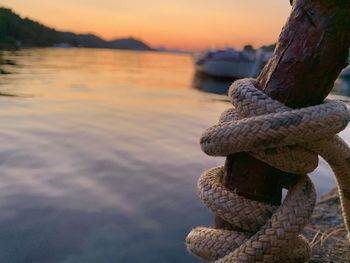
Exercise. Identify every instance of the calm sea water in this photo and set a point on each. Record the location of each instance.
(99, 155)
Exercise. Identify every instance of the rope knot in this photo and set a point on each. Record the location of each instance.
(288, 139)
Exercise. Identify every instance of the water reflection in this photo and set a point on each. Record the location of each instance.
(7, 67)
(2, 94)
(214, 85)
(2, 71)
(101, 164)
(210, 84)
(6, 64)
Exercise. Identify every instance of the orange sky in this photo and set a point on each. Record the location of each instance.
(185, 24)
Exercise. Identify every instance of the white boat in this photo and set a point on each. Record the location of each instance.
(231, 63)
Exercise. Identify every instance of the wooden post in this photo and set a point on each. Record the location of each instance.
(311, 51)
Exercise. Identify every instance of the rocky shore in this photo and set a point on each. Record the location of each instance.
(326, 231)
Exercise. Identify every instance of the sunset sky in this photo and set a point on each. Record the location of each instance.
(185, 24)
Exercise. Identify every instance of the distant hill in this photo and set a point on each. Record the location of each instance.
(128, 43)
(24, 32)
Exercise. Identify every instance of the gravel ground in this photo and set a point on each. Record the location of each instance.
(326, 232)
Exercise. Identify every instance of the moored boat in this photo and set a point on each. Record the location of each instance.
(230, 63)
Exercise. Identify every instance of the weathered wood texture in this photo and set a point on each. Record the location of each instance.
(310, 53)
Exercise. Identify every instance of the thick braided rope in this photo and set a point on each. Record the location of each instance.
(287, 139)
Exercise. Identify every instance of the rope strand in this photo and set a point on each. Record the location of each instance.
(288, 139)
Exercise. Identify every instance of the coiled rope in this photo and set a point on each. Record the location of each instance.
(288, 139)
